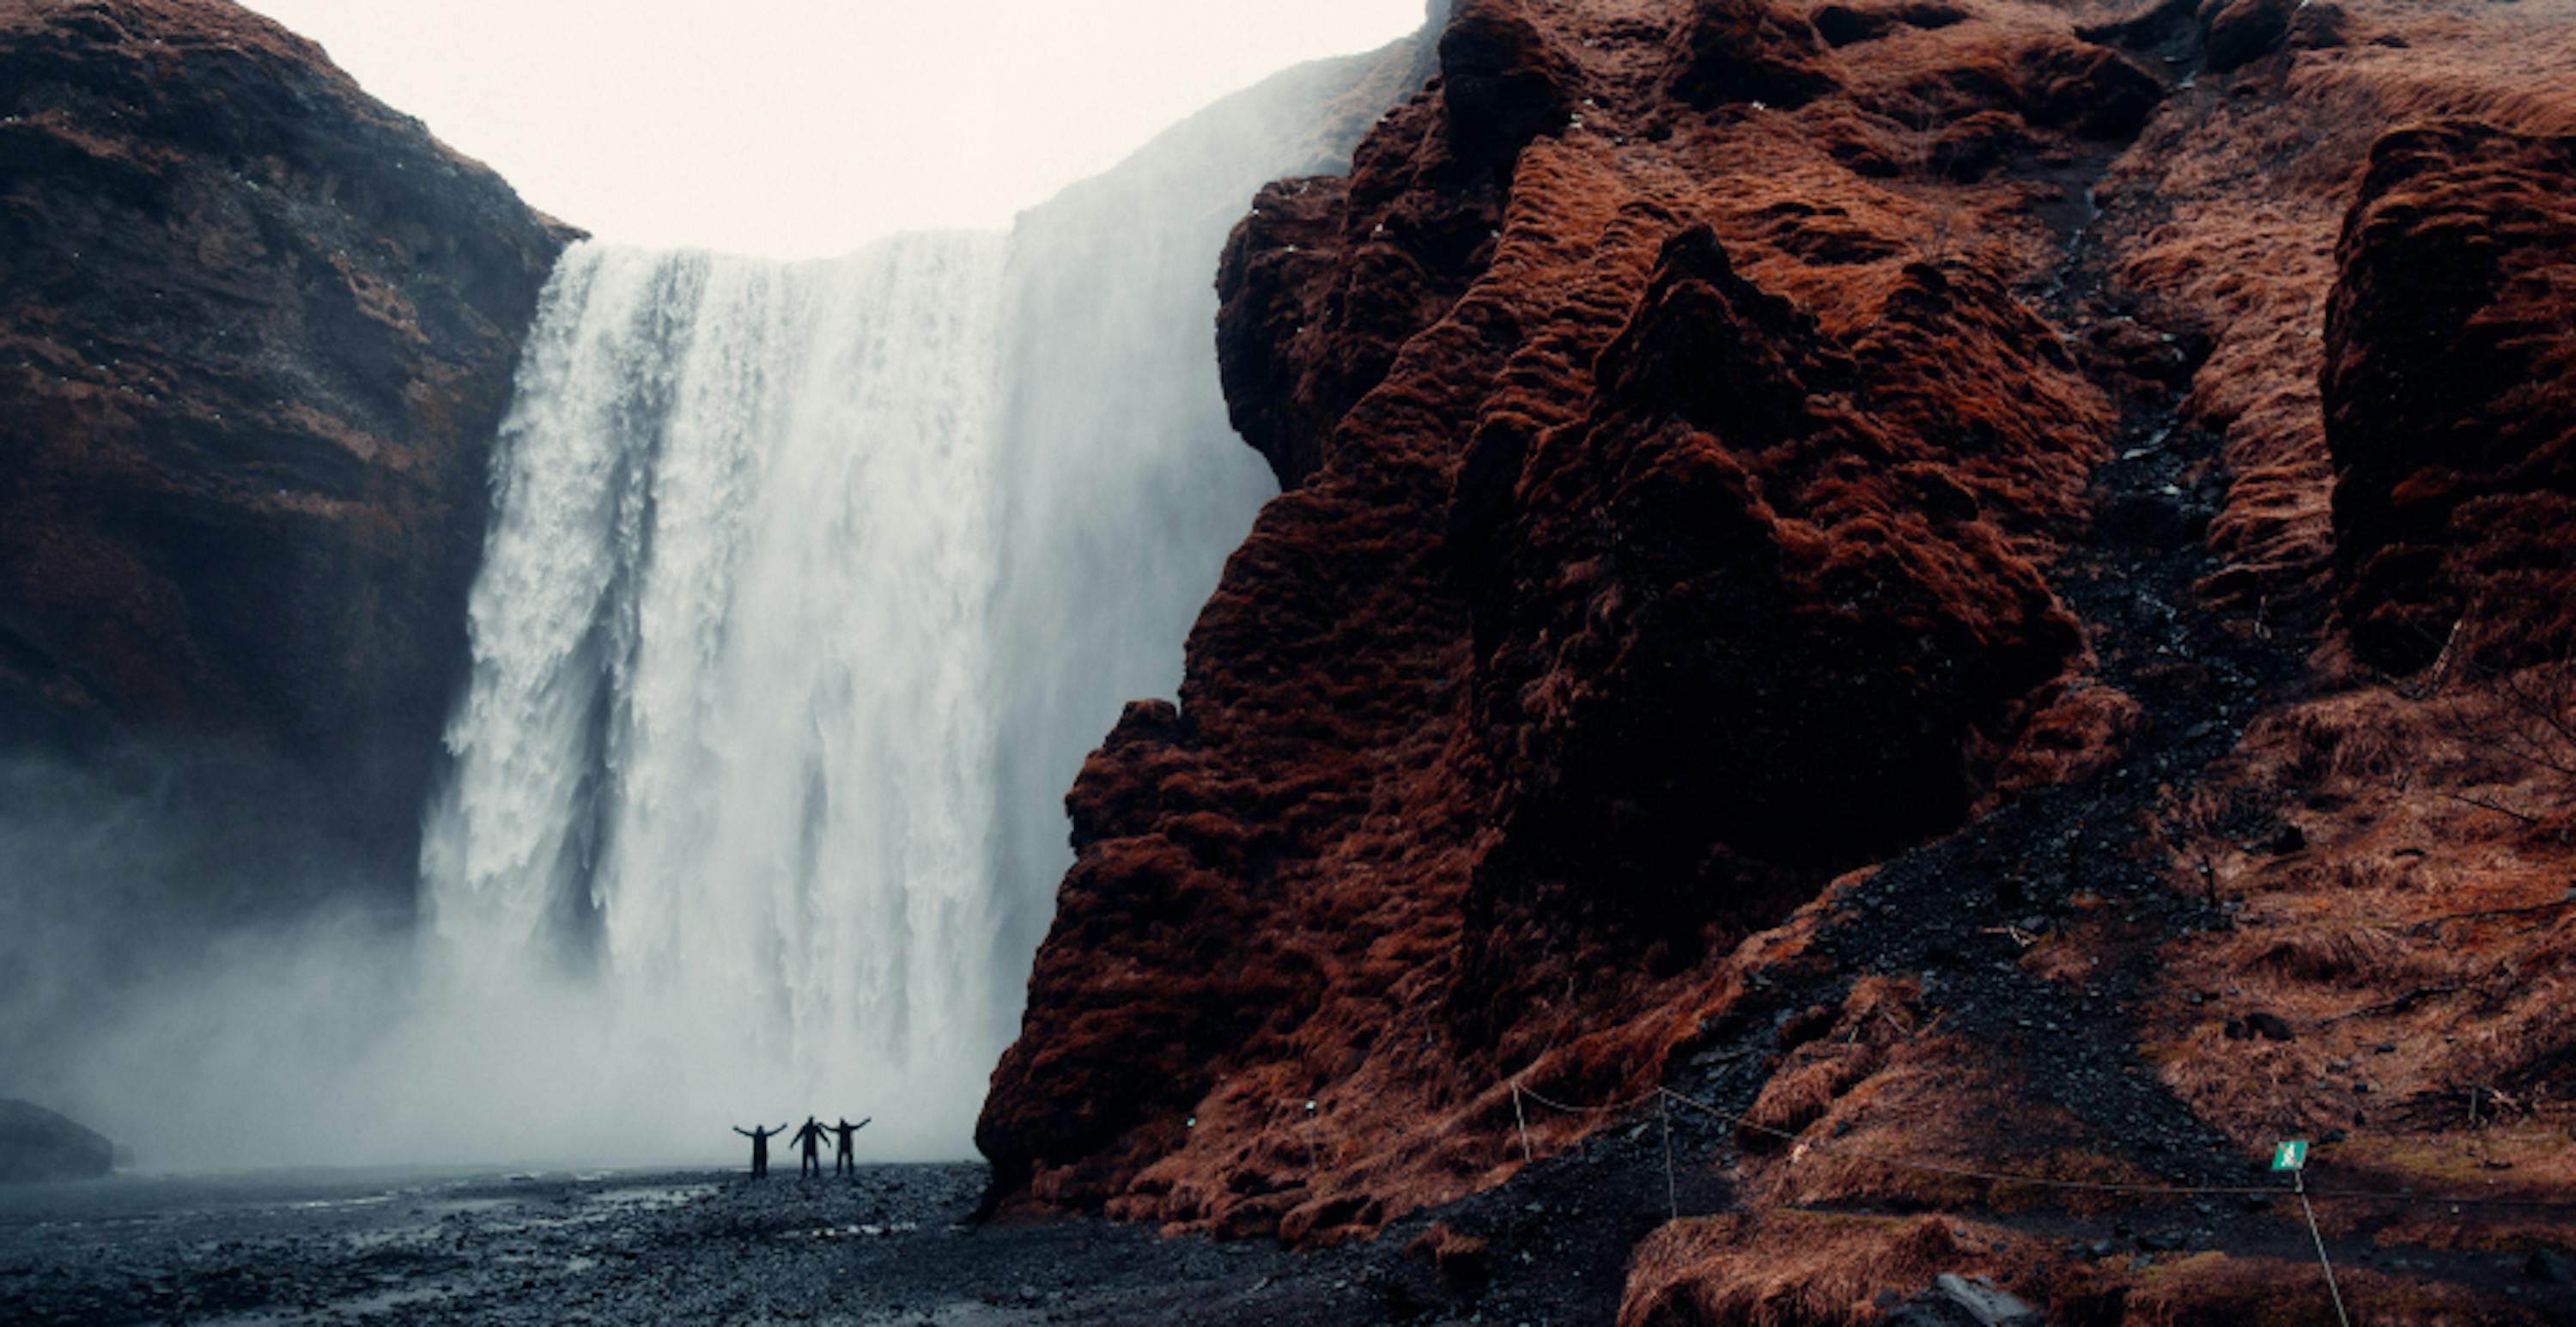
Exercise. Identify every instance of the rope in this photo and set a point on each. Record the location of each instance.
(1964, 1172)
(2455, 1200)
(1611, 1109)
(2322, 1260)
(1664, 1098)
(1993, 1176)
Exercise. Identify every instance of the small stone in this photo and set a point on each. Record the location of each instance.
(1953, 1298)
(2271, 1027)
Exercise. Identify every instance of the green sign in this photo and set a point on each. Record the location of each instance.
(2290, 1155)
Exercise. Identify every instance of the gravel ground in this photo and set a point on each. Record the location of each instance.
(892, 1246)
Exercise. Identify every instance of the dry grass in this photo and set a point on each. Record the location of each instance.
(2225, 217)
(2422, 947)
(2217, 1290)
(1803, 1269)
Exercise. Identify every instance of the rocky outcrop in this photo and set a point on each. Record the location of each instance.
(37, 1144)
(1804, 581)
(2450, 395)
(256, 331)
(1668, 513)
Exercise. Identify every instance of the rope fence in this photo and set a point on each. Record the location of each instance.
(1828, 1146)
(1665, 1099)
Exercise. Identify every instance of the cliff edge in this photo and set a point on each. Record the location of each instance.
(256, 331)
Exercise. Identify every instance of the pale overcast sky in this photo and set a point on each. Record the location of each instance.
(805, 127)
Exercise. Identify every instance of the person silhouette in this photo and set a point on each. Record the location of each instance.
(841, 1159)
(808, 1138)
(759, 1146)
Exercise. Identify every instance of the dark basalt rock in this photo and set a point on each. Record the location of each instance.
(37, 1144)
(256, 332)
(2243, 31)
(1843, 24)
(2093, 90)
(1502, 83)
(1731, 51)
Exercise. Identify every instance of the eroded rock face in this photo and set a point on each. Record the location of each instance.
(1748, 50)
(2450, 395)
(256, 331)
(1688, 503)
(1667, 517)
(1737, 630)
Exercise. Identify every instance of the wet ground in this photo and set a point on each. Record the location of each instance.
(892, 1246)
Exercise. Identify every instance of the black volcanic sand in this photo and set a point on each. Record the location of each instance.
(893, 1246)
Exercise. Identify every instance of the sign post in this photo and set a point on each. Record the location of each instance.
(2291, 1155)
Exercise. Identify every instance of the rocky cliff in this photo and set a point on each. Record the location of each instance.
(1835, 561)
(256, 330)
(38, 1145)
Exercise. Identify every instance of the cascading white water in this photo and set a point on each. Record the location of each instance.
(808, 588)
(729, 729)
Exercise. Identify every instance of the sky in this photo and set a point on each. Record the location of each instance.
(803, 128)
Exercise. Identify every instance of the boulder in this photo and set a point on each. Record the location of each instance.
(1957, 1301)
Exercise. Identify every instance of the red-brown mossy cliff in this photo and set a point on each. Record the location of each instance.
(1672, 457)
(2450, 395)
(1681, 435)
(2226, 215)
(256, 331)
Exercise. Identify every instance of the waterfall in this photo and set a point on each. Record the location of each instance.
(728, 742)
(808, 587)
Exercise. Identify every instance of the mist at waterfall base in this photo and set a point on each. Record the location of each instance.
(807, 589)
